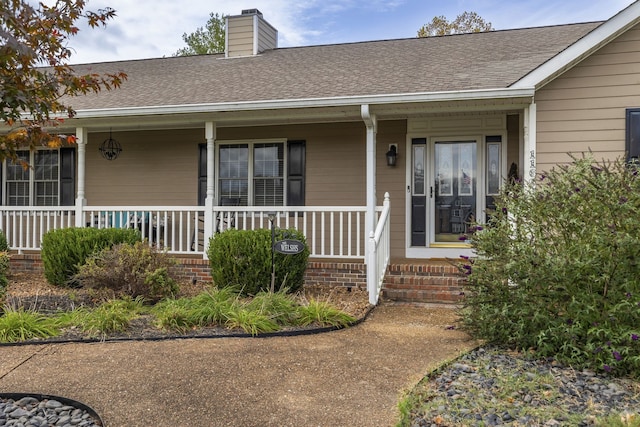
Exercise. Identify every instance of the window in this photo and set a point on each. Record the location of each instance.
(35, 186)
(268, 164)
(632, 146)
(251, 174)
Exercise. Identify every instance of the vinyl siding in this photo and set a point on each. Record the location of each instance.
(154, 168)
(584, 109)
(393, 179)
(267, 36)
(240, 36)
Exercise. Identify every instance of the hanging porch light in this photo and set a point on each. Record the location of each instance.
(110, 148)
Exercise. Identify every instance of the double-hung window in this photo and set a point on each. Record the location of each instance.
(37, 185)
(251, 174)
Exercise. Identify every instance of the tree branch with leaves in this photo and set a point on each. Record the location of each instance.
(210, 39)
(467, 22)
(36, 79)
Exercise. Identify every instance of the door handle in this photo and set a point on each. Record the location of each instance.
(431, 192)
(408, 189)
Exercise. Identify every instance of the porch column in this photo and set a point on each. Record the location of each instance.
(82, 136)
(530, 142)
(210, 135)
(372, 125)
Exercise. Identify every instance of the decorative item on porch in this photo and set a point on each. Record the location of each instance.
(392, 155)
(110, 148)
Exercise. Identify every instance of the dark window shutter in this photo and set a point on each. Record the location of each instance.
(296, 173)
(633, 134)
(202, 174)
(67, 176)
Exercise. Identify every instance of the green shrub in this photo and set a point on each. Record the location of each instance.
(137, 270)
(64, 250)
(5, 264)
(557, 268)
(242, 259)
(4, 245)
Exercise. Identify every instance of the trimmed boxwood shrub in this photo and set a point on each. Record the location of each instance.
(242, 258)
(64, 250)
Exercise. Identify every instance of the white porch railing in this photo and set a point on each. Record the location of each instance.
(379, 252)
(336, 232)
(24, 226)
(177, 229)
(331, 231)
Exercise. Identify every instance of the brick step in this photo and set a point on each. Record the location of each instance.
(423, 283)
(406, 282)
(422, 296)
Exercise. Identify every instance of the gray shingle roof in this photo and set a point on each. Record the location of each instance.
(492, 60)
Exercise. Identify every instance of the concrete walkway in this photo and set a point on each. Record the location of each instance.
(352, 377)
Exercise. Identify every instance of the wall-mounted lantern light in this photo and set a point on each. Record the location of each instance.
(392, 155)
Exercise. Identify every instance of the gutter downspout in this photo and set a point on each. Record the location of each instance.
(372, 125)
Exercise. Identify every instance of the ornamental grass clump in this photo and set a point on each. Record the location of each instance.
(557, 268)
(21, 325)
(109, 317)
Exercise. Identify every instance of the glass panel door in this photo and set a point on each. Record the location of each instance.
(455, 189)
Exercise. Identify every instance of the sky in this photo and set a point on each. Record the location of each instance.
(154, 28)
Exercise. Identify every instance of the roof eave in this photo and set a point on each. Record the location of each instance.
(581, 49)
(481, 94)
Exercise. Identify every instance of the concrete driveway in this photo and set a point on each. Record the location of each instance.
(351, 377)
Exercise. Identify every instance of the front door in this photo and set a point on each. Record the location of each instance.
(455, 190)
(444, 191)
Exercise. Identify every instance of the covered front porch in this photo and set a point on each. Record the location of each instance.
(181, 177)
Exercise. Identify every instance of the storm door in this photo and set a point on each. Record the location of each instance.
(455, 190)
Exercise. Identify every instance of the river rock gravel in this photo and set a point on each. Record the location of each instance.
(33, 412)
(491, 387)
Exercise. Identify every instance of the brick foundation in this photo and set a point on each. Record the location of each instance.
(327, 272)
(426, 282)
(26, 263)
(352, 275)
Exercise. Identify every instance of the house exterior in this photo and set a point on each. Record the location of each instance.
(190, 146)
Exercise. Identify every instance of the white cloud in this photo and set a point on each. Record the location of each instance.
(154, 28)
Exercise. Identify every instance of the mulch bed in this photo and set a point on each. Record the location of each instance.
(32, 292)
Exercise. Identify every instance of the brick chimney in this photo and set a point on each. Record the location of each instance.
(249, 34)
